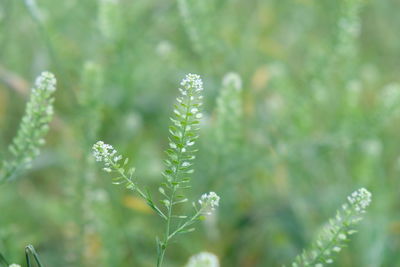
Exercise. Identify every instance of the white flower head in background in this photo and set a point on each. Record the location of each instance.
(232, 79)
(14, 265)
(164, 48)
(390, 95)
(203, 259)
(209, 202)
(360, 199)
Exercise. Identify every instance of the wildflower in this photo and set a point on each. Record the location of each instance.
(360, 199)
(107, 154)
(209, 202)
(183, 134)
(203, 259)
(184, 129)
(14, 265)
(45, 82)
(334, 236)
(192, 81)
(34, 125)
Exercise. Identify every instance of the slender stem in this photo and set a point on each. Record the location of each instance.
(174, 188)
(183, 226)
(170, 236)
(29, 250)
(321, 253)
(137, 189)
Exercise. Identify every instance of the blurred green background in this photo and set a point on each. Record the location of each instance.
(318, 116)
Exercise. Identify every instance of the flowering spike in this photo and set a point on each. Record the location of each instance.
(34, 125)
(334, 236)
(184, 130)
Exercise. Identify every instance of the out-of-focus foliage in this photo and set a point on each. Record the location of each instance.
(315, 116)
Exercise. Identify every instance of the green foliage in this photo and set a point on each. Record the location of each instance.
(317, 113)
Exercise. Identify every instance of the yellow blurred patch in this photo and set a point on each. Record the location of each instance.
(137, 204)
(395, 227)
(271, 47)
(281, 179)
(260, 78)
(93, 247)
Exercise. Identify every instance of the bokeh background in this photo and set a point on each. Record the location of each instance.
(316, 117)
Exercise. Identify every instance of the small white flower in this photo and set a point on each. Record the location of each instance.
(203, 259)
(209, 201)
(190, 143)
(185, 164)
(192, 81)
(360, 199)
(46, 82)
(14, 265)
(107, 154)
(172, 145)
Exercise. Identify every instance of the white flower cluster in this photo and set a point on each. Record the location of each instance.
(107, 154)
(360, 199)
(203, 259)
(46, 82)
(14, 265)
(209, 202)
(192, 81)
(232, 79)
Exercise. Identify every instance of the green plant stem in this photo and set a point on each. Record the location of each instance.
(183, 226)
(170, 236)
(29, 250)
(137, 189)
(167, 237)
